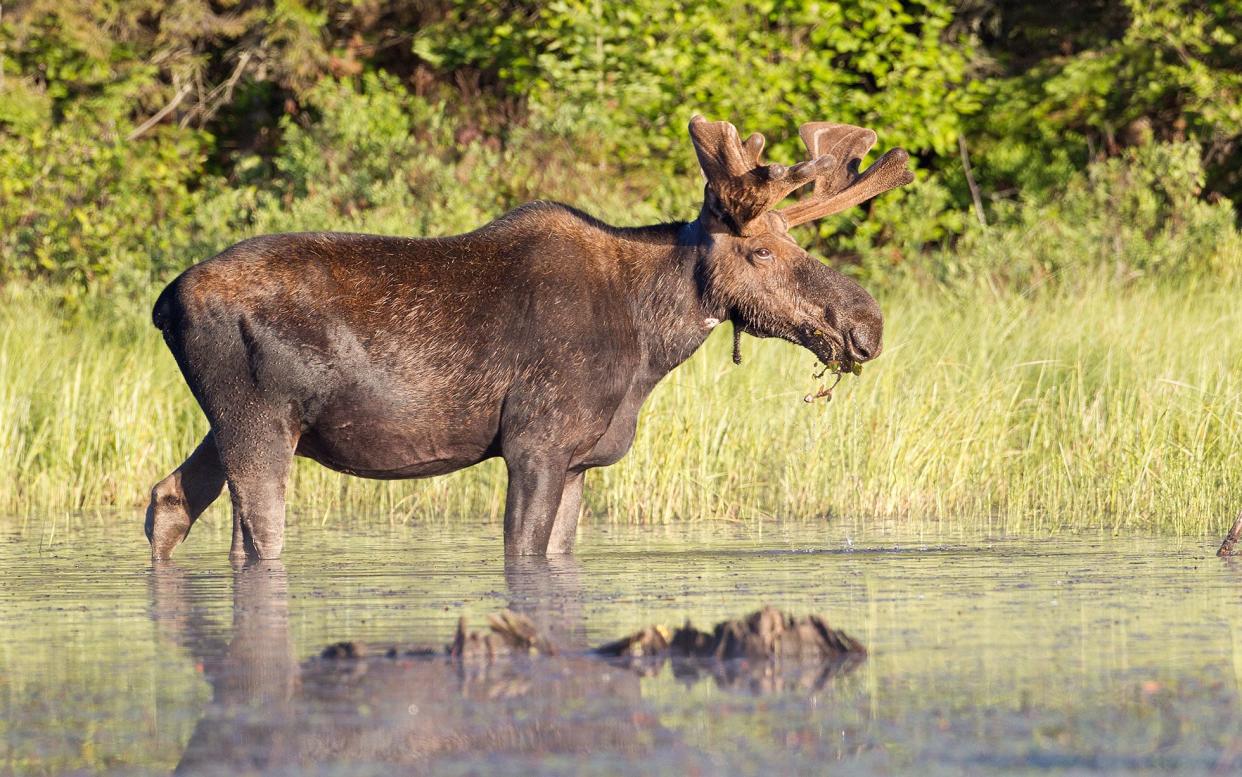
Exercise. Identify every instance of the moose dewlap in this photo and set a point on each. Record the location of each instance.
(535, 338)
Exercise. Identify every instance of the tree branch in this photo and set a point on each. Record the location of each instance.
(970, 181)
(167, 109)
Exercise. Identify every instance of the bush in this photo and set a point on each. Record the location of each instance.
(1172, 73)
(366, 155)
(1137, 215)
(628, 76)
(433, 118)
(80, 204)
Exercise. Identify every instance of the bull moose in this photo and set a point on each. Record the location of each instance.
(535, 338)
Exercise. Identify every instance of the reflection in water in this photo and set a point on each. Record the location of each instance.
(254, 678)
(549, 592)
(268, 711)
(1068, 653)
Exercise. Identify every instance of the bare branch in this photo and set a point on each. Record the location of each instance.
(167, 109)
(220, 95)
(970, 182)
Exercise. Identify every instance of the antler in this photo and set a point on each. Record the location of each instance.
(740, 189)
(843, 186)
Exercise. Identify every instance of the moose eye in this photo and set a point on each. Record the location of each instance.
(763, 254)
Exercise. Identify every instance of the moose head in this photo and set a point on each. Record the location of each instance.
(767, 284)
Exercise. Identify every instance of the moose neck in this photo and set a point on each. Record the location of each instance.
(666, 287)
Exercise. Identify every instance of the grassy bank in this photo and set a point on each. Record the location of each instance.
(1086, 405)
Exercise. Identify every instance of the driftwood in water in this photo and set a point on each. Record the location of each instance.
(1229, 546)
(510, 634)
(765, 651)
(766, 634)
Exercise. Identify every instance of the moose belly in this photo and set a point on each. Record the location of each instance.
(400, 443)
(612, 446)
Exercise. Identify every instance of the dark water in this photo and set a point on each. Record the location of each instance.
(1071, 654)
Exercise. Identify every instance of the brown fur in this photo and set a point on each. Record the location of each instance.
(535, 338)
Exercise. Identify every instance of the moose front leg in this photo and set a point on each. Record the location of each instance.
(531, 503)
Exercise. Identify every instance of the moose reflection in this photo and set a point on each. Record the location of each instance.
(269, 711)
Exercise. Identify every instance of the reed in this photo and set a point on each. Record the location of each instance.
(1087, 404)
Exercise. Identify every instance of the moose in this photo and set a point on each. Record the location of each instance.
(535, 338)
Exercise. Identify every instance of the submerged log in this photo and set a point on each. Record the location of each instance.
(1229, 546)
(766, 634)
(765, 651)
(511, 634)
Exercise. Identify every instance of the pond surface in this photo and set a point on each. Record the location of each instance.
(1073, 653)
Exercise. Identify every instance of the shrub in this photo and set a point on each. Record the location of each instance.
(1137, 215)
(80, 204)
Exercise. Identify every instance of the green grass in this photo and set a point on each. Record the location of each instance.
(1088, 404)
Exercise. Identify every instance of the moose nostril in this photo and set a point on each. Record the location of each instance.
(864, 343)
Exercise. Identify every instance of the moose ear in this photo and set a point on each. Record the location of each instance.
(714, 218)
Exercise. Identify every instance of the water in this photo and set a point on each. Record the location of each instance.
(1075, 654)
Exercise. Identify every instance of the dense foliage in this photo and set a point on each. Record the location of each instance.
(139, 136)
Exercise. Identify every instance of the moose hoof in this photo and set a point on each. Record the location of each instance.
(165, 531)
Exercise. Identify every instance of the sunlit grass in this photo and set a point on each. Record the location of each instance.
(1089, 406)
(1085, 405)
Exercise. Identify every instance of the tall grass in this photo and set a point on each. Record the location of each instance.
(1082, 406)
(1090, 404)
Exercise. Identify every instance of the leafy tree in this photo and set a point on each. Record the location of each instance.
(1170, 71)
(137, 135)
(630, 75)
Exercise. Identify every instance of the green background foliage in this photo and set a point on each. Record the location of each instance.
(434, 117)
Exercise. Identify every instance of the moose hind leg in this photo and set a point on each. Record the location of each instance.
(565, 527)
(257, 463)
(179, 499)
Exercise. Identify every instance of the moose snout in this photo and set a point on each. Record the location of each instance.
(863, 340)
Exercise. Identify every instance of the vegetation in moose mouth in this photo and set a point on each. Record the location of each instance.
(837, 369)
(830, 352)
(828, 347)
